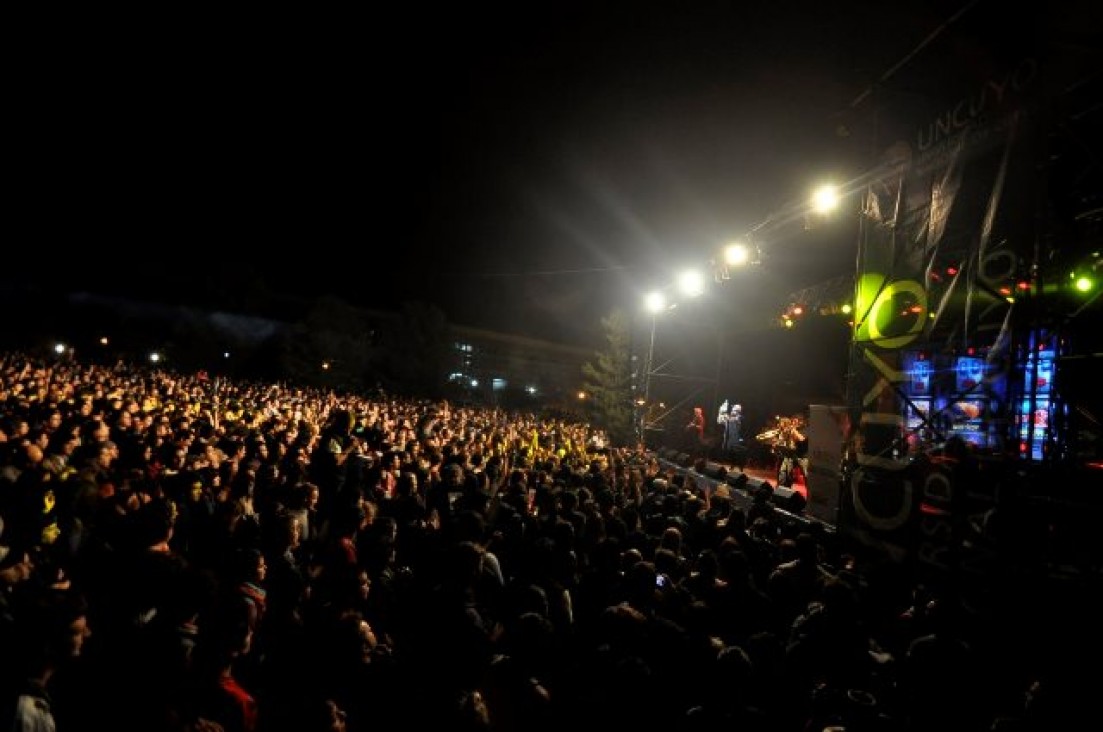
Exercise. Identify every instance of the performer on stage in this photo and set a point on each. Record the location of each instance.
(695, 433)
(793, 444)
(733, 428)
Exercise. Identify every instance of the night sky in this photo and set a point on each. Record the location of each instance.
(526, 169)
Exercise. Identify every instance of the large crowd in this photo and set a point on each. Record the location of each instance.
(187, 553)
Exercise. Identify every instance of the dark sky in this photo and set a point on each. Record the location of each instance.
(527, 169)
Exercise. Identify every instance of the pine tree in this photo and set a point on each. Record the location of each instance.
(608, 381)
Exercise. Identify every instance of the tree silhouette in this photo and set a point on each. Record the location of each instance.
(333, 345)
(415, 347)
(608, 381)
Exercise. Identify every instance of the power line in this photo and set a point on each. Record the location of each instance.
(912, 54)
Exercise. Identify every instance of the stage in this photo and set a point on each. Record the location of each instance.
(744, 482)
(763, 469)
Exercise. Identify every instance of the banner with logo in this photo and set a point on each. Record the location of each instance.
(948, 234)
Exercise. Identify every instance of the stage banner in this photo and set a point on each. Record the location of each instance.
(948, 229)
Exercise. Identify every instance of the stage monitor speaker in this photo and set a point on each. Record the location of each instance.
(684, 459)
(737, 480)
(716, 471)
(761, 491)
(789, 499)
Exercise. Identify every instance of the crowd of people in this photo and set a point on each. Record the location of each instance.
(184, 553)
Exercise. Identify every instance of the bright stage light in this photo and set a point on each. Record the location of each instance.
(655, 302)
(825, 199)
(737, 254)
(691, 283)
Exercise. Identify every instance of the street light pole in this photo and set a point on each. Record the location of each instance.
(648, 362)
(655, 303)
(691, 284)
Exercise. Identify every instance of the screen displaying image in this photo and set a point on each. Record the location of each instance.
(976, 438)
(918, 370)
(1033, 423)
(969, 373)
(916, 413)
(967, 420)
(967, 411)
(1043, 380)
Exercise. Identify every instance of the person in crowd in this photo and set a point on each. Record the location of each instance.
(53, 633)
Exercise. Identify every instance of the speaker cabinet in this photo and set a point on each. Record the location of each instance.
(713, 470)
(737, 480)
(789, 499)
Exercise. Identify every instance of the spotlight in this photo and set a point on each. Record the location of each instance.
(737, 254)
